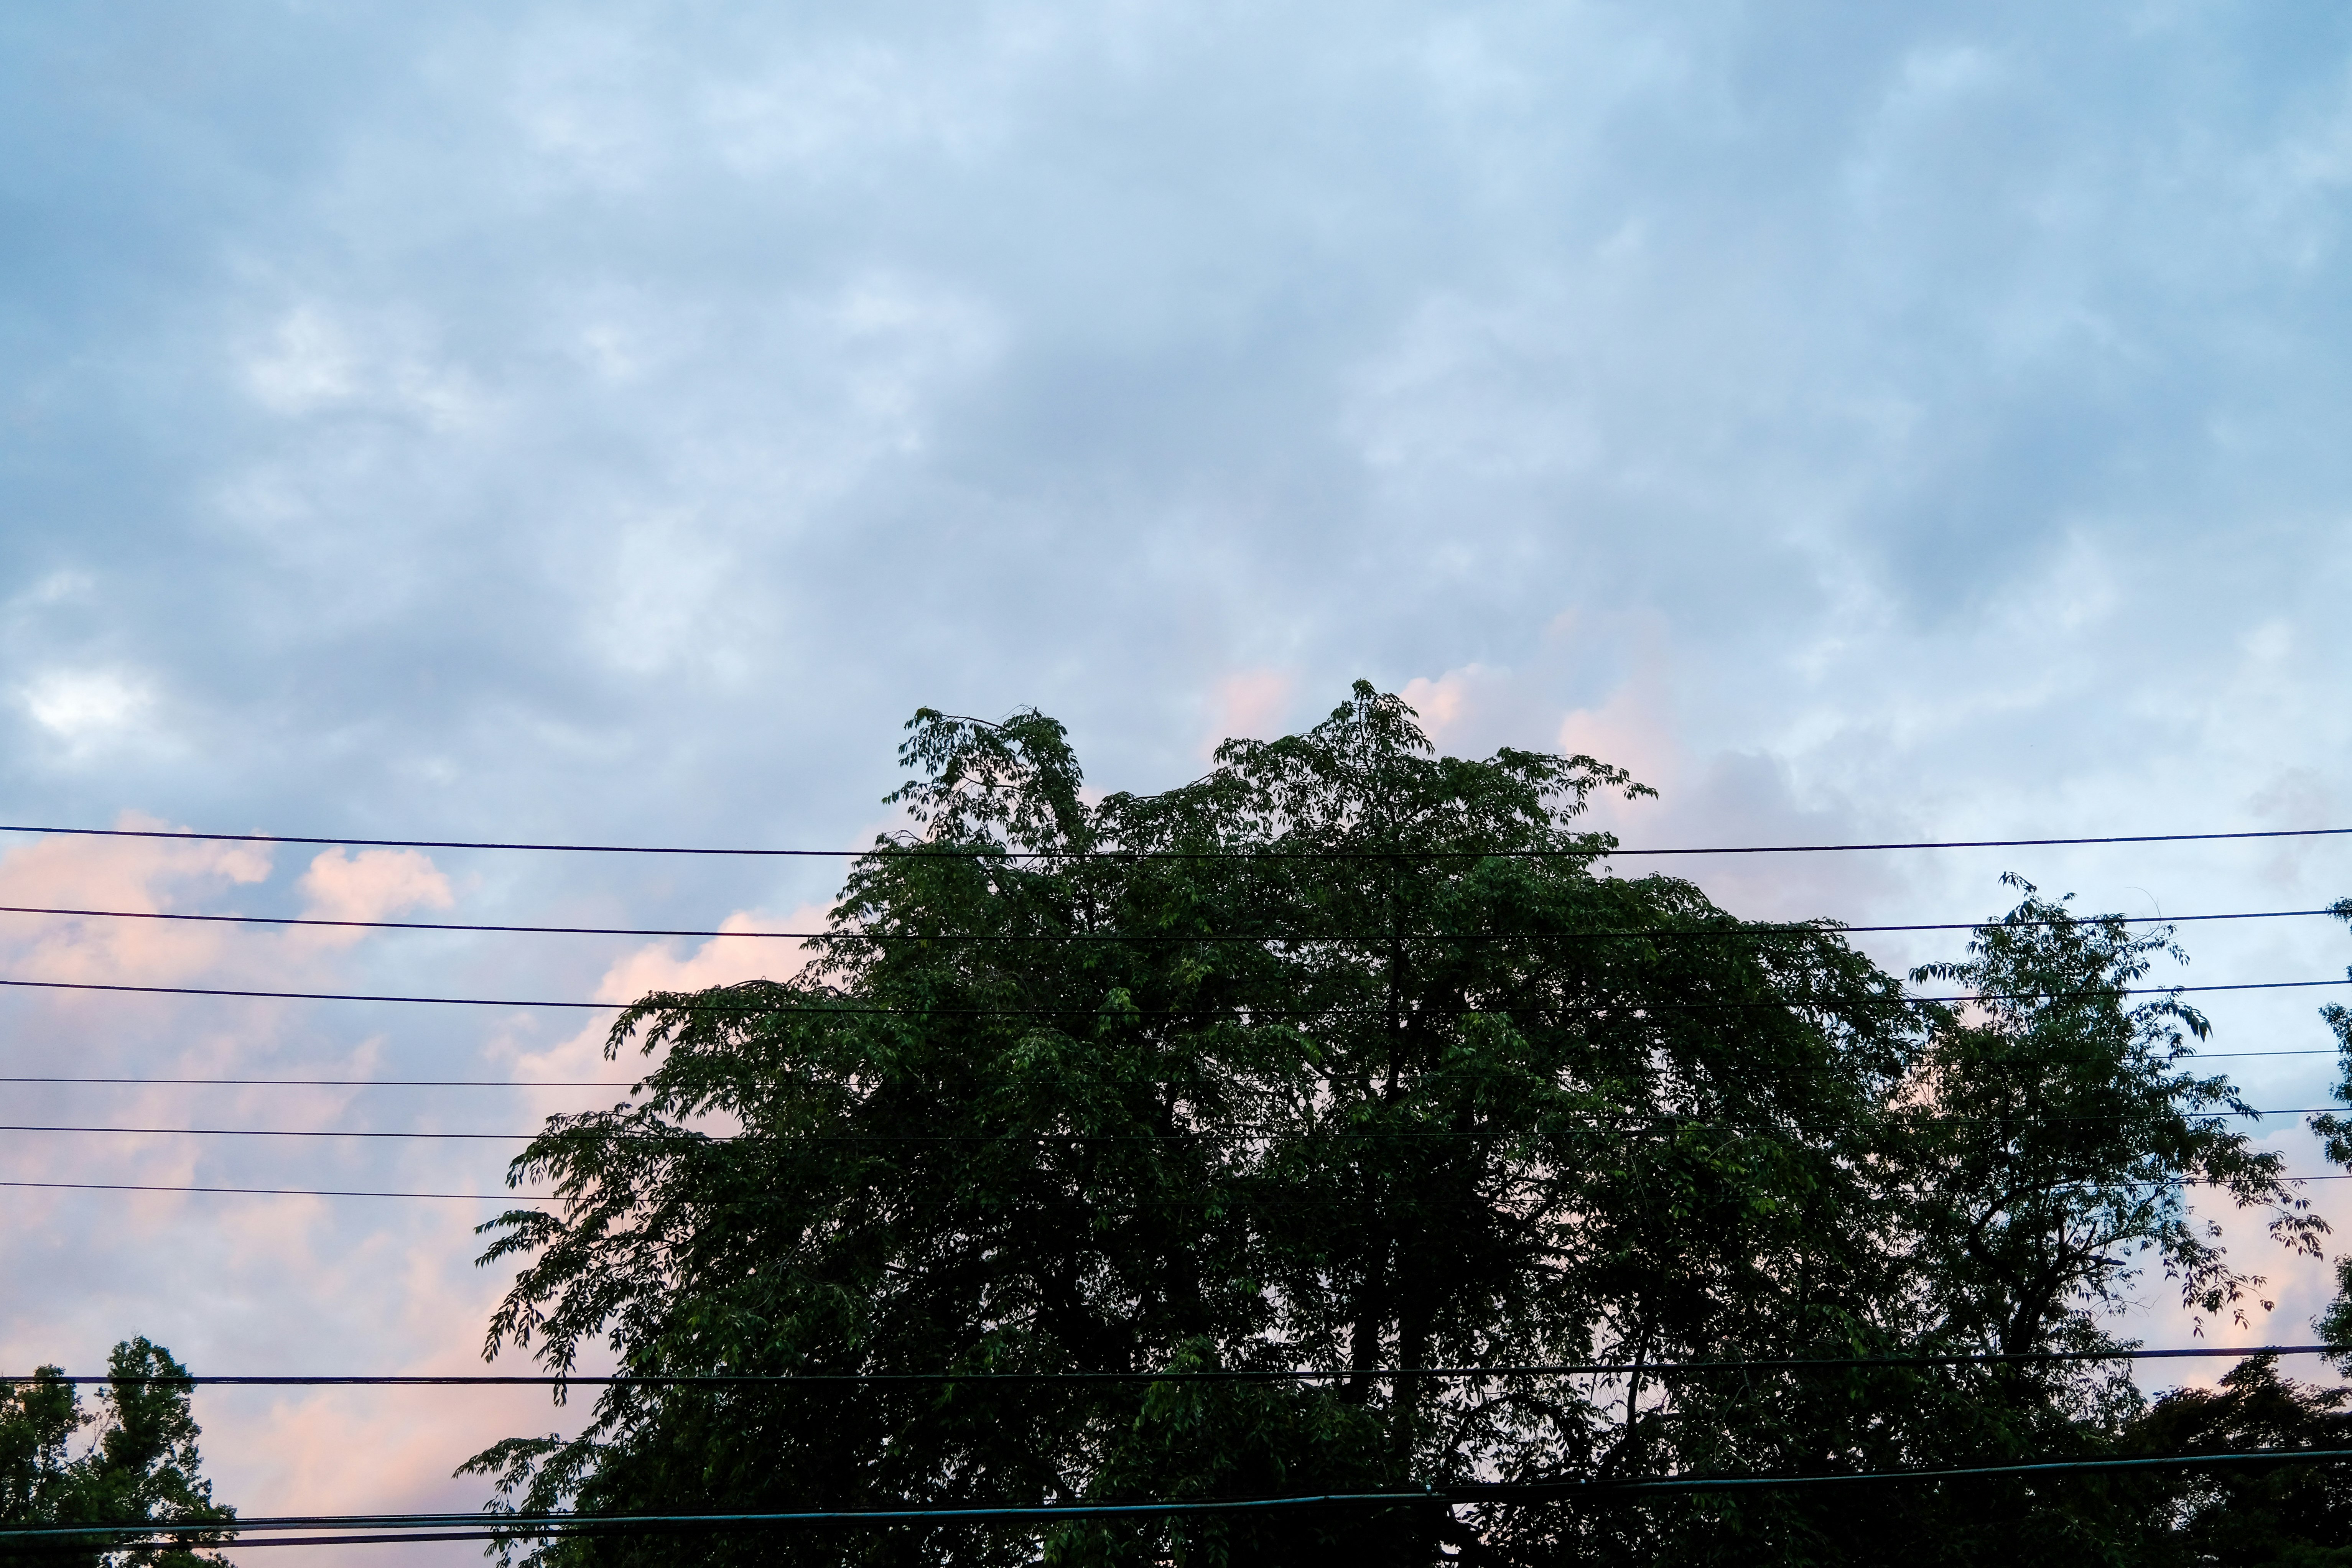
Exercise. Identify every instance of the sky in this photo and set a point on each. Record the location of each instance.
(607, 423)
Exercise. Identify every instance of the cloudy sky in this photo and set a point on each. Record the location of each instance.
(608, 422)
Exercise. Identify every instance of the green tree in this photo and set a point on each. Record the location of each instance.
(2037, 1154)
(2052, 1129)
(139, 1466)
(2041, 1156)
(1345, 1055)
(2281, 1516)
(2335, 1325)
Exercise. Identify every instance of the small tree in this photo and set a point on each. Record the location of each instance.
(2052, 1133)
(2241, 1516)
(141, 1466)
(2041, 1155)
(2335, 1325)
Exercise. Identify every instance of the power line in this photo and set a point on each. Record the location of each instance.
(1541, 1490)
(1099, 1009)
(1233, 1135)
(435, 1526)
(633, 1083)
(1215, 1374)
(314, 1132)
(1228, 1200)
(1737, 929)
(469, 1526)
(278, 1191)
(385, 1082)
(304, 995)
(1591, 852)
(2236, 1056)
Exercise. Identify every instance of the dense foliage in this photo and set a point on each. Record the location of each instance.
(2335, 1133)
(1352, 1057)
(2237, 1517)
(133, 1461)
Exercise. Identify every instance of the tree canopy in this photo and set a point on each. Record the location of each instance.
(2335, 1133)
(1355, 1057)
(137, 1463)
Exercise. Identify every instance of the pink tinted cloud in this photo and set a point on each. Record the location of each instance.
(1726, 798)
(1629, 730)
(366, 1451)
(374, 885)
(720, 960)
(403, 1300)
(1473, 710)
(2301, 1287)
(1250, 703)
(250, 1283)
(160, 1036)
(1441, 704)
(140, 875)
(658, 966)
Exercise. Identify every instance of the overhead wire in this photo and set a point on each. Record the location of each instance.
(274, 1191)
(1210, 1375)
(294, 1133)
(1098, 1009)
(1223, 1201)
(851, 934)
(996, 852)
(633, 1083)
(1234, 1132)
(481, 1526)
(339, 1082)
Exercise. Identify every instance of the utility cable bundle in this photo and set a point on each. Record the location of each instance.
(386, 1528)
(1596, 851)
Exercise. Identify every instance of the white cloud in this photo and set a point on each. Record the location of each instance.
(85, 707)
(315, 360)
(64, 587)
(308, 363)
